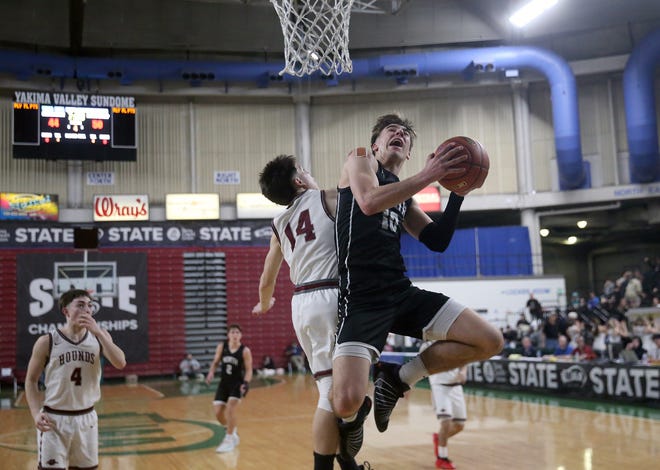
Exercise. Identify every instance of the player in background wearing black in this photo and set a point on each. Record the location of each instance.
(235, 361)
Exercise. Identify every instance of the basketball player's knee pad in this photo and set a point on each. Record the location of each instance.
(324, 384)
(363, 350)
(438, 327)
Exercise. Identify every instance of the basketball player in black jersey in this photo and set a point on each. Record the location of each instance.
(235, 360)
(375, 296)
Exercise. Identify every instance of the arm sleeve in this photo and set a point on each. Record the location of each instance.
(437, 235)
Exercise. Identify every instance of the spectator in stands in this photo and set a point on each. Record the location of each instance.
(654, 354)
(617, 333)
(563, 348)
(594, 300)
(628, 355)
(621, 284)
(268, 363)
(583, 309)
(534, 307)
(642, 327)
(579, 327)
(608, 288)
(634, 292)
(575, 299)
(583, 352)
(526, 348)
(523, 326)
(599, 345)
(268, 368)
(619, 311)
(294, 354)
(551, 332)
(637, 347)
(510, 337)
(189, 368)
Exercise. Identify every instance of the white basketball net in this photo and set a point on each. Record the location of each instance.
(315, 35)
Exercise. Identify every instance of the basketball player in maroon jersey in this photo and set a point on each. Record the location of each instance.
(70, 357)
(303, 236)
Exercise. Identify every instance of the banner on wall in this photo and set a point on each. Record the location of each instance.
(586, 379)
(123, 312)
(141, 234)
(28, 206)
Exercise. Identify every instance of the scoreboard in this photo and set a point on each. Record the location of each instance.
(74, 126)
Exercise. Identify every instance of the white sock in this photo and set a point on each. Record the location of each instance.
(443, 452)
(413, 371)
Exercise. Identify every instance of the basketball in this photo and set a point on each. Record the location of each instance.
(476, 166)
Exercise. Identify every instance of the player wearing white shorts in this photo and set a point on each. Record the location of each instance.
(70, 357)
(303, 235)
(449, 405)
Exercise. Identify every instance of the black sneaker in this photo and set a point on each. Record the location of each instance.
(388, 388)
(351, 434)
(365, 466)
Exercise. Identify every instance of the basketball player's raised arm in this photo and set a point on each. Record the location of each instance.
(360, 173)
(36, 366)
(330, 200)
(268, 278)
(111, 351)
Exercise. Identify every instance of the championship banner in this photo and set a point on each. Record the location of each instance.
(119, 279)
(585, 379)
(140, 234)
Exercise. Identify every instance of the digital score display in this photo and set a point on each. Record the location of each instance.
(74, 126)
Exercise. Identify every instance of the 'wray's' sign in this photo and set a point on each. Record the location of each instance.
(121, 207)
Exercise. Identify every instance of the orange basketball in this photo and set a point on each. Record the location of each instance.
(476, 166)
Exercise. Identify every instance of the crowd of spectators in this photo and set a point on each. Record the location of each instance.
(596, 325)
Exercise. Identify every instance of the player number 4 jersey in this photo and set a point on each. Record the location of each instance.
(73, 373)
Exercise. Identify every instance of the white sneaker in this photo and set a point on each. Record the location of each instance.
(227, 445)
(237, 440)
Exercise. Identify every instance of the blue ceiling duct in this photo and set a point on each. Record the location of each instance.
(467, 62)
(641, 121)
(563, 90)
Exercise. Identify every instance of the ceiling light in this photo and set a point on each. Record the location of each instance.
(544, 232)
(530, 10)
(572, 240)
(581, 223)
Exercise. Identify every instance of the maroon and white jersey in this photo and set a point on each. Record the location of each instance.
(73, 373)
(306, 233)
